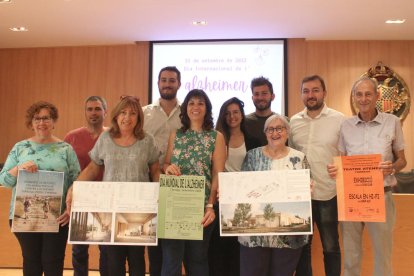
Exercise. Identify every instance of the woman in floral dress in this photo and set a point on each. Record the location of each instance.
(194, 149)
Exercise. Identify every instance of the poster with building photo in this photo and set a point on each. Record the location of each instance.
(37, 201)
(114, 213)
(265, 203)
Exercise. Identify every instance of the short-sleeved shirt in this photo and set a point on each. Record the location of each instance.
(125, 163)
(256, 161)
(82, 142)
(383, 135)
(57, 156)
(193, 153)
(318, 139)
(160, 125)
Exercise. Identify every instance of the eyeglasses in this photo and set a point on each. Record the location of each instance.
(45, 119)
(278, 129)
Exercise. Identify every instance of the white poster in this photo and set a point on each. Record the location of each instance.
(265, 203)
(38, 201)
(122, 213)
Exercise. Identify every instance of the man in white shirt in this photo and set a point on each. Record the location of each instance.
(160, 119)
(315, 132)
(371, 132)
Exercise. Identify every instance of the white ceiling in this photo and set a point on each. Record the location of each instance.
(105, 22)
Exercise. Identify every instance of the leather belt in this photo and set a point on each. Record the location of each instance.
(387, 189)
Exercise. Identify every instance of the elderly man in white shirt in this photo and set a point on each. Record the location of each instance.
(160, 119)
(371, 132)
(315, 132)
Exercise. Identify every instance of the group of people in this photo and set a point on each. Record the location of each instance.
(180, 139)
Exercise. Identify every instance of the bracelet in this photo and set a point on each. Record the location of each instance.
(209, 205)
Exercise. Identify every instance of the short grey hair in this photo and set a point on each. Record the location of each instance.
(372, 81)
(277, 117)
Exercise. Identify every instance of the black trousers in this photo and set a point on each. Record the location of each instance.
(119, 254)
(43, 252)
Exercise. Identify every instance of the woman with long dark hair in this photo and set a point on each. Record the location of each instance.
(194, 149)
(224, 251)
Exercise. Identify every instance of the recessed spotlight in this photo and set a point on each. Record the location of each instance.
(200, 23)
(18, 29)
(5, 1)
(395, 21)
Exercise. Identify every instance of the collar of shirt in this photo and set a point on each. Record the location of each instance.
(157, 104)
(379, 119)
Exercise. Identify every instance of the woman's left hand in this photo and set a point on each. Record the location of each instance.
(209, 217)
(63, 219)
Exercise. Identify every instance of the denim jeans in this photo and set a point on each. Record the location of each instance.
(80, 260)
(325, 215)
(194, 254)
(43, 252)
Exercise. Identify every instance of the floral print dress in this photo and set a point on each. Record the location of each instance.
(193, 153)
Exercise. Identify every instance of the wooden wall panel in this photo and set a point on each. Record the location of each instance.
(340, 63)
(65, 76)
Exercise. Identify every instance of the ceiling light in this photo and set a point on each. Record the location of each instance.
(200, 23)
(5, 1)
(395, 21)
(19, 29)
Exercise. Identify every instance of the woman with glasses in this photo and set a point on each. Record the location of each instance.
(272, 255)
(42, 252)
(224, 251)
(194, 149)
(128, 154)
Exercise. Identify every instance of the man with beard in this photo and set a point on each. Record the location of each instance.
(82, 140)
(160, 118)
(315, 132)
(262, 96)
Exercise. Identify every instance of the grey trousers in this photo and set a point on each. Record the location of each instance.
(380, 234)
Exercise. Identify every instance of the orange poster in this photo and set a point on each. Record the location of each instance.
(360, 188)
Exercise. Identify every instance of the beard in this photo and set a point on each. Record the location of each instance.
(318, 105)
(261, 107)
(170, 95)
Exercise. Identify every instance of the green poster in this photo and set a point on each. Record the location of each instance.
(181, 207)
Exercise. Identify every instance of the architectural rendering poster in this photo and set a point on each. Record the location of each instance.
(265, 203)
(116, 213)
(181, 207)
(360, 188)
(37, 201)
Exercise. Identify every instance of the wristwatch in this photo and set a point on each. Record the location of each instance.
(209, 205)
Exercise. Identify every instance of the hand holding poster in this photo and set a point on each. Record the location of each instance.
(38, 201)
(360, 188)
(181, 207)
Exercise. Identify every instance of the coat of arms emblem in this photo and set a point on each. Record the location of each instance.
(394, 93)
